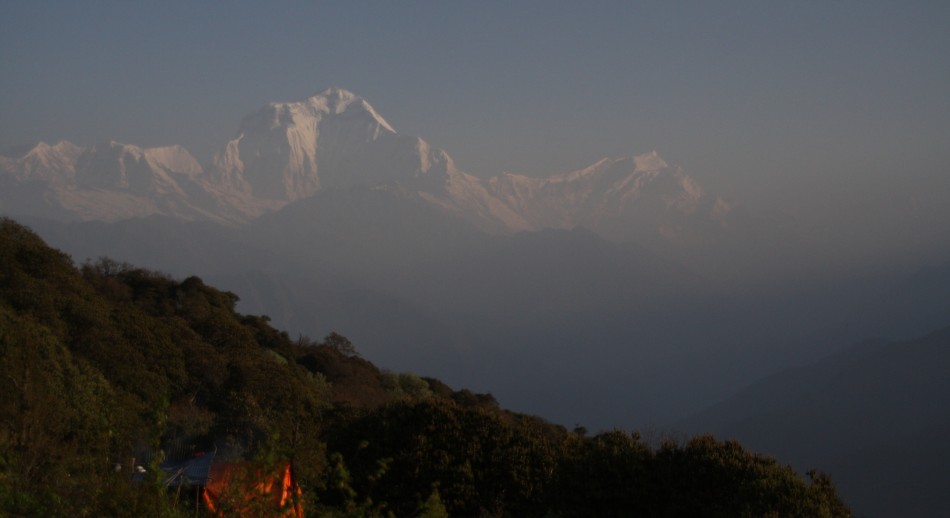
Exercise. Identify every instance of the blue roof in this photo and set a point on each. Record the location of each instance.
(193, 471)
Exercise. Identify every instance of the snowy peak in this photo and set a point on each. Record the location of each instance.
(649, 162)
(288, 151)
(330, 103)
(618, 198)
(337, 101)
(52, 164)
(124, 166)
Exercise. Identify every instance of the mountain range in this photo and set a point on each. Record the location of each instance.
(335, 141)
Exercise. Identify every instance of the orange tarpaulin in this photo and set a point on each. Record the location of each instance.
(246, 489)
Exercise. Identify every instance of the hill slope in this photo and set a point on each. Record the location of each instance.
(111, 362)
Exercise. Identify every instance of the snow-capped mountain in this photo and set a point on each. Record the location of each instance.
(54, 164)
(288, 151)
(335, 140)
(616, 197)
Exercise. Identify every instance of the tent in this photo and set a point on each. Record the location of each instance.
(248, 489)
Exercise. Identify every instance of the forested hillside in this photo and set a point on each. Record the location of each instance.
(108, 367)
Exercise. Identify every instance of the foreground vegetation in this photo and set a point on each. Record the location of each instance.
(107, 366)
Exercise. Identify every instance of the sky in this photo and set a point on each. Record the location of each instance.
(777, 101)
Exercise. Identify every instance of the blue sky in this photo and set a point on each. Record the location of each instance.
(752, 98)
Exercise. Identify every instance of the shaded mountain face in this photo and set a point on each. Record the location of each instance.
(335, 140)
(875, 416)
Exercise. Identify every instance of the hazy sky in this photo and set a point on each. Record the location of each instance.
(752, 98)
